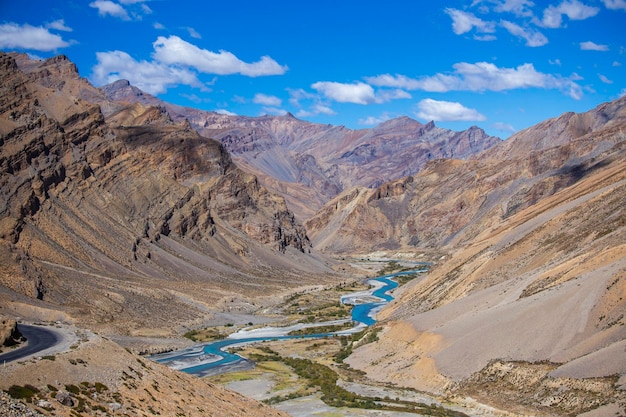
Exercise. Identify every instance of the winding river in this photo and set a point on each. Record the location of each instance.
(212, 358)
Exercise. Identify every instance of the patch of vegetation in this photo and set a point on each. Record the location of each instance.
(321, 329)
(100, 387)
(348, 343)
(72, 389)
(205, 335)
(26, 392)
(49, 357)
(324, 312)
(394, 267)
(390, 268)
(325, 379)
(315, 306)
(404, 279)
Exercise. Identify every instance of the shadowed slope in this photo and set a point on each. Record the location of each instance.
(310, 163)
(120, 220)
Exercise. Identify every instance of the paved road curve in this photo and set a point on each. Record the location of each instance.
(38, 339)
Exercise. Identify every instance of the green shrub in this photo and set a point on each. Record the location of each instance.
(26, 392)
(72, 389)
(100, 387)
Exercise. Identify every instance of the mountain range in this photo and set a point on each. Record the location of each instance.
(311, 163)
(136, 217)
(97, 207)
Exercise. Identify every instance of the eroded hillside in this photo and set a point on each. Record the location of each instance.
(310, 163)
(119, 221)
(527, 311)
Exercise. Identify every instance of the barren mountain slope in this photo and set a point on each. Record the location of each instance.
(527, 313)
(451, 201)
(120, 221)
(311, 163)
(97, 377)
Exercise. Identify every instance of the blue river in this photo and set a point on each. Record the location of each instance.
(213, 357)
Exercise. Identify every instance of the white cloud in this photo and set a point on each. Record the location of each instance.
(266, 100)
(195, 98)
(297, 95)
(615, 4)
(175, 51)
(482, 76)
(520, 8)
(591, 46)
(576, 77)
(225, 112)
(313, 103)
(158, 26)
(193, 33)
(383, 96)
(622, 93)
(274, 111)
(616, 64)
(151, 77)
(358, 93)
(485, 38)
(25, 36)
(59, 25)
(573, 9)
(504, 127)
(106, 7)
(323, 109)
(372, 120)
(517, 7)
(552, 18)
(604, 79)
(533, 38)
(113, 9)
(316, 109)
(395, 81)
(446, 111)
(463, 22)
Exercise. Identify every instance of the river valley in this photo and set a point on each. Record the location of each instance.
(214, 358)
(273, 363)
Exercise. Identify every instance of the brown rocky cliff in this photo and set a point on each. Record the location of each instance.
(534, 275)
(309, 164)
(9, 333)
(132, 197)
(451, 201)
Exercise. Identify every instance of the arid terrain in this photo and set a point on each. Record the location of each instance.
(127, 222)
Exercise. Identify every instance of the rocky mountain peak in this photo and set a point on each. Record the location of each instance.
(130, 195)
(122, 91)
(402, 121)
(311, 163)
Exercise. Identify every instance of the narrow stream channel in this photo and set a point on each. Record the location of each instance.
(212, 358)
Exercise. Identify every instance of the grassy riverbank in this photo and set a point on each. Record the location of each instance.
(294, 369)
(299, 368)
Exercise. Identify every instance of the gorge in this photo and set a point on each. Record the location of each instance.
(127, 222)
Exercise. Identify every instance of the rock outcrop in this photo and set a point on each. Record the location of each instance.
(309, 163)
(96, 205)
(9, 333)
(531, 295)
(451, 201)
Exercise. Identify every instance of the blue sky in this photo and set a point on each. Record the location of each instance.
(503, 65)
